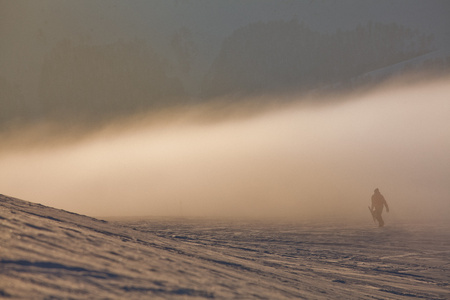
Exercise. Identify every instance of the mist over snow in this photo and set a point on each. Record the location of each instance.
(314, 158)
(50, 253)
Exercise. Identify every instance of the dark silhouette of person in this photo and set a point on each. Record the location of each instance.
(378, 203)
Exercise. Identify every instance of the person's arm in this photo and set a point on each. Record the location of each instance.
(387, 206)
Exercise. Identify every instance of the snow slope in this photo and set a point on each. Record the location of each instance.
(54, 254)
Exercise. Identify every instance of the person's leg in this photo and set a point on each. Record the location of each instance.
(379, 219)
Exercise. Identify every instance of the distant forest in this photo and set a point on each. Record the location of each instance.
(289, 56)
(106, 80)
(96, 82)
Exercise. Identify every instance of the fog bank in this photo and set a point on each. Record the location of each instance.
(299, 161)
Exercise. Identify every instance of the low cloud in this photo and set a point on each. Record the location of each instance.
(301, 160)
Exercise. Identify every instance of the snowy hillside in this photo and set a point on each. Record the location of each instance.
(49, 253)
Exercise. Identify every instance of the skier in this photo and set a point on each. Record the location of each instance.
(378, 202)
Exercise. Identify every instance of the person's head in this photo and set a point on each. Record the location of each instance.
(376, 191)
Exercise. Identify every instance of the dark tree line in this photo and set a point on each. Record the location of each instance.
(13, 108)
(289, 56)
(98, 81)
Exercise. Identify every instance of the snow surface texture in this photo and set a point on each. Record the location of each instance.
(54, 254)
